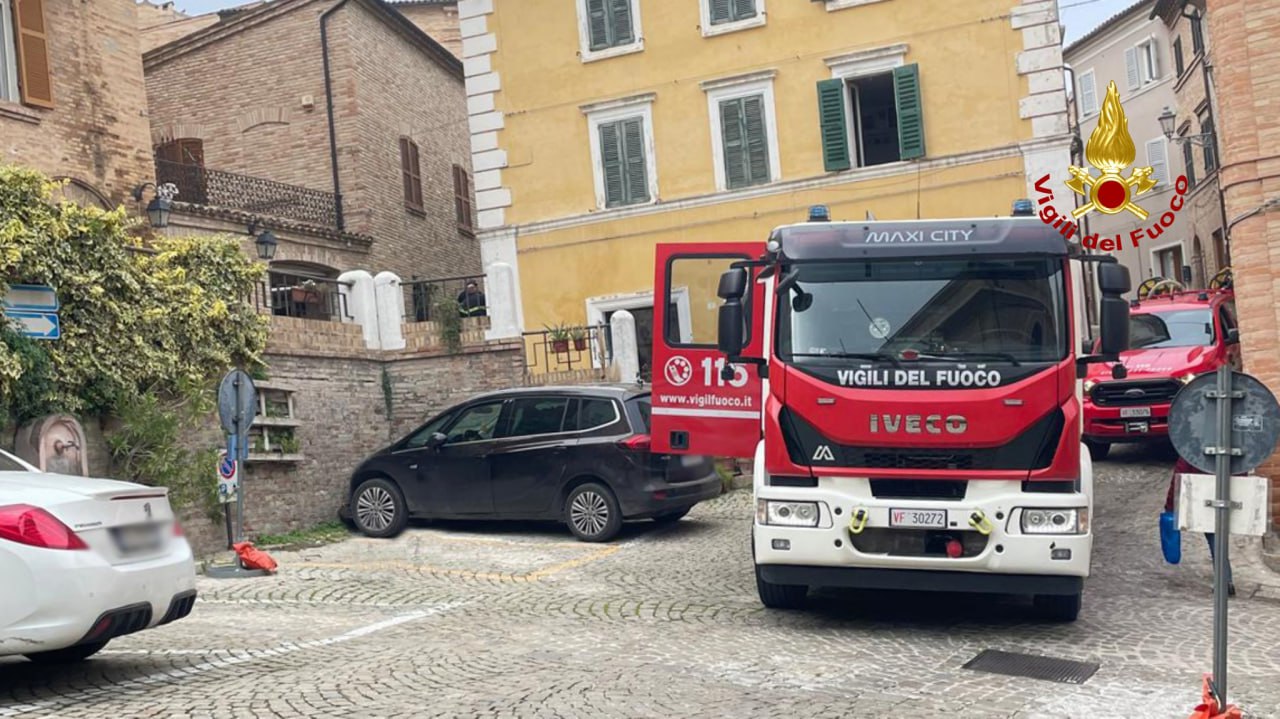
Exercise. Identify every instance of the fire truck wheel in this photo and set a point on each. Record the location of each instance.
(592, 513)
(1098, 450)
(1058, 607)
(780, 596)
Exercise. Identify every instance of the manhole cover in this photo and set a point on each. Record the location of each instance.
(1051, 669)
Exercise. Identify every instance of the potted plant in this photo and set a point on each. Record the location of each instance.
(579, 337)
(559, 337)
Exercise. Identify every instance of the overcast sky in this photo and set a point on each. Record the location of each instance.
(1080, 16)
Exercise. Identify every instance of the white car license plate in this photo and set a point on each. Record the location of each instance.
(1127, 412)
(918, 518)
(138, 538)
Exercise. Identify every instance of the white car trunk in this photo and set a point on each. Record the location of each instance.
(122, 522)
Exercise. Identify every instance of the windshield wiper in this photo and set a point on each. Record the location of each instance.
(1005, 356)
(881, 356)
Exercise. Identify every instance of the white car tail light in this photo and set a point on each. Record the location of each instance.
(35, 527)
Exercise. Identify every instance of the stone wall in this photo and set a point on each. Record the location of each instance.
(437, 18)
(97, 130)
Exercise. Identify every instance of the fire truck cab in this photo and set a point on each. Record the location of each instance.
(909, 393)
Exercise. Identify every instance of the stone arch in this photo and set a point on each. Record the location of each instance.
(260, 116)
(83, 193)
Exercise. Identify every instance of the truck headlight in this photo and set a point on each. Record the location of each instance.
(1055, 521)
(787, 514)
(1089, 385)
(1188, 377)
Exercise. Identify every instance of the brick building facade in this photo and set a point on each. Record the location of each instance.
(72, 98)
(437, 18)
(244, 100)
(1246, 71)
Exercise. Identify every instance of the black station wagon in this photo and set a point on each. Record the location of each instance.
(575, 454)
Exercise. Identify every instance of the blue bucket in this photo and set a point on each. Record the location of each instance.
(1170, 538)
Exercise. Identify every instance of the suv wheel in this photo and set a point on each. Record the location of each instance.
(1098, 450)
(378, 508)
(592, 513)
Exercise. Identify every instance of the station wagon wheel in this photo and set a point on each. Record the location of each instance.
(592, 513)
(378, 508)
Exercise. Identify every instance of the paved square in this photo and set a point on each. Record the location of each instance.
(497, 620)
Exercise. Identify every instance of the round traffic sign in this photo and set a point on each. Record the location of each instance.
(1255, 422)
(227, 469)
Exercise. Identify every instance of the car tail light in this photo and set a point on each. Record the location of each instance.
(177, 529)
(25, 524)
(636, 443)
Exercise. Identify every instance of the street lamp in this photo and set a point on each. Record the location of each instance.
(1167, 118)
(266, 241)
(161, 205)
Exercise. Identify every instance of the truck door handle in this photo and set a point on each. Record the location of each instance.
(413, 466)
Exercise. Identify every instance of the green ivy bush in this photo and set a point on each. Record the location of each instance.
(146, 331)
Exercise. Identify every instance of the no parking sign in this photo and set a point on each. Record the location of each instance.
(228, 478)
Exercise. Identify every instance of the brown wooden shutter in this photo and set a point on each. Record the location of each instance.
(410, 170)
(34, 77)
(462, 199)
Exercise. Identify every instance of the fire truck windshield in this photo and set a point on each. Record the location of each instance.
(990, 309)
(1175, 328)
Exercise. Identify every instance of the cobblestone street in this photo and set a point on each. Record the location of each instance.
(502, 621)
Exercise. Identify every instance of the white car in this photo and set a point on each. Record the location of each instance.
(83, 561)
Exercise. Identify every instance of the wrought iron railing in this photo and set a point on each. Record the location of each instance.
(422, 298)
(216, 188)
(567, 349)
(313, 298)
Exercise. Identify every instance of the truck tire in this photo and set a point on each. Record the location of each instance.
(780, 596)
(1058, 607)
(1098, 450)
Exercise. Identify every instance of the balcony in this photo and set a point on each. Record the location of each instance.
(425, 299)
(199, 185)
(303, 297)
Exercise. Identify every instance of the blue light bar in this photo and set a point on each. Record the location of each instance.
(819, 213)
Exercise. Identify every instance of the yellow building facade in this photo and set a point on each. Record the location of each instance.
(602, 127)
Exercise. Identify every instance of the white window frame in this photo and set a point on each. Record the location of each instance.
(1088, 79)
(611, 111)
(709, 30)
(864, 63)
(1155, 261)
(598, 306)
(833, 5)
(584, 35)
(1148, 62)
(732, 88)
(8, 54)
(1168, 179)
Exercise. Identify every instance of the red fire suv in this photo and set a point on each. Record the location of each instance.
(1173, 338)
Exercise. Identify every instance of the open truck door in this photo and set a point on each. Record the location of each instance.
(695, 409)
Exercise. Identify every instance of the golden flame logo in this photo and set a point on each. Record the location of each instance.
(1110, 150)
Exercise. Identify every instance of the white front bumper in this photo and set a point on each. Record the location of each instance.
(51, 598)
(1007, 551)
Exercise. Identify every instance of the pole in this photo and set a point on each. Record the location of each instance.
(1221, 534)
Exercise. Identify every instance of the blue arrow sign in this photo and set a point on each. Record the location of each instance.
(39, 325)
(33, 298)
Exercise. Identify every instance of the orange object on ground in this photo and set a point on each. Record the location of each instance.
(1208, 708)
(253, 558)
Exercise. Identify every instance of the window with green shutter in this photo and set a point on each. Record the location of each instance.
(745, 141)
(610, 23)
(622, 160)
(726, 11)
(871, 120)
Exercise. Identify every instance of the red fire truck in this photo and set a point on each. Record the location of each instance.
(1175, 337)
(909, 393)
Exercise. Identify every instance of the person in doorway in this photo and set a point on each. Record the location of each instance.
(1184, 467)
(471, 301)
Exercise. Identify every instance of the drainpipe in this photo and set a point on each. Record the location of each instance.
(328, 101)
(1077, 158)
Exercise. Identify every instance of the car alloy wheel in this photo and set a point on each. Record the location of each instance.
(375, 508)
(589, 513)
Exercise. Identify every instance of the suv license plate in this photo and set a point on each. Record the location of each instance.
(1127, 412)
(918, 518)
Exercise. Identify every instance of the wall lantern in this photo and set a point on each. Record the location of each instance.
(161, 205)
(266, 242)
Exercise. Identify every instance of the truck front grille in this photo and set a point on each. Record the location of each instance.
(1135, 392)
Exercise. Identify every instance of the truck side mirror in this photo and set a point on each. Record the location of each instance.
(733, 285)
(1114, 321)
(1233, 336)
(1113, 279)
(730, 338)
